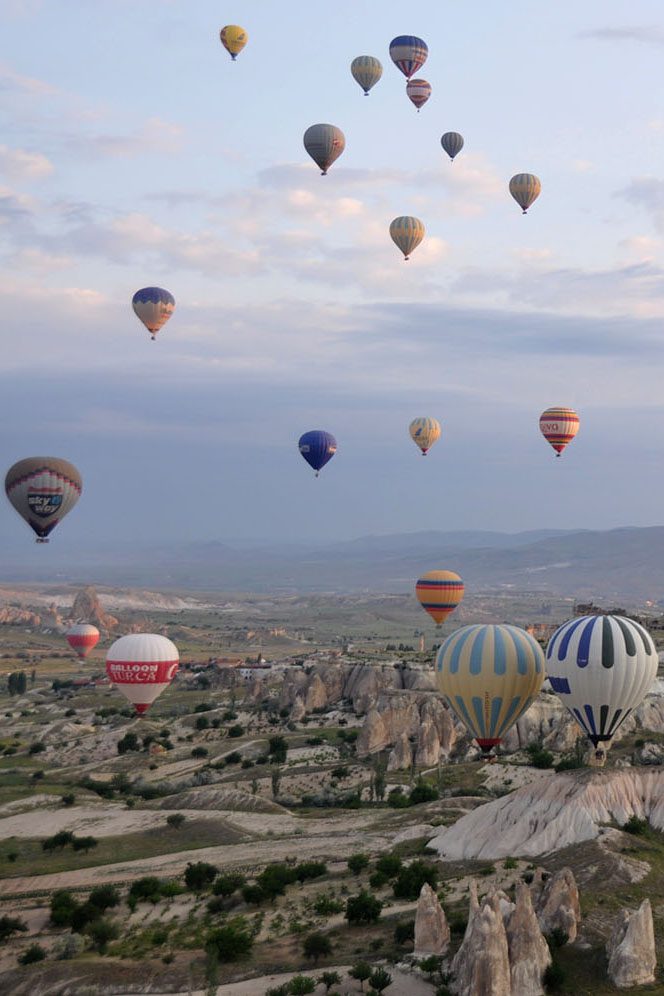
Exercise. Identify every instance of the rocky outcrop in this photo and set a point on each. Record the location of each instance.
(401, 756)
(631, 948)
(528, 951)
(558, 906)
(414, 715)
(432, 932)
(12, 616)
(481, 965)
(373, 736)
(298, 710)
(88, 609)
(427, 752)
(316, 694)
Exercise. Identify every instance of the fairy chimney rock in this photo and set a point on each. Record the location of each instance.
(432, 932)
(529, 953)
(631, 948)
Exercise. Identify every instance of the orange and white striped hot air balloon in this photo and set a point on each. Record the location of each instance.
(142, 665)
(439, 593)
(82, 638)
(559, 426)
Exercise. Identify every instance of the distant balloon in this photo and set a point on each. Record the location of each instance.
(82, 638)
(601, 668)
(559, 426)
(142, 665)
(407, 233)
(317, 447)
(452, 143)
(43, 490)
(154, 306)
(424, 432)
(418, 92)
(408, 54)
(489, 675)
(324, 143)
(439, 593)
(233, 38)
(366, 71)
(525, 188)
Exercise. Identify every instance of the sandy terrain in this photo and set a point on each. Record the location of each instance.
(403, 984)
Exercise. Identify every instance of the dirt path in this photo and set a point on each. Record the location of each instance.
(403, 984)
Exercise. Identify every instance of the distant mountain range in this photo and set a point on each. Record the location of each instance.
(621, 564)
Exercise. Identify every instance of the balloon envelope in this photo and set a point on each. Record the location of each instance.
(407, 233)
(424, 432)
(43, 490)
(452, 143)
(142, 665)
(317, 447)
(559, 426)
(366, 71)
(233, 38)
(154, 306)
(82, 638)
(489, 676)
(324, 143)
(525, 188)
(418, 92)
(408, 53)
(439, 593)
(601, 668)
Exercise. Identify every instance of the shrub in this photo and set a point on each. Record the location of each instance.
(329, 979)
(301, 985)
(129, 742)
(389, 864)
(411, 878)
(277, 749)
(377, 880)
(148, 889)
(635, 826)
(423, 792)
(34, 953)
(233, 758)
(199, 752)
(231, 941)
(104, 897)
(554, 977)
(202, 723)
(84, 843)
(236, 730)
(310, 869)
(60, 840)
(101, 932)
(361, 972)
(254, 895)
(37, 747)
(404, 932)
(11, 925)
(226, 885)
(200, 875)
(509, 864)
(539, 757)
(363, 908)
(379, 980)
(358, 862)
(397, 799)
(325, 905)
(175, 820)
(63, 905)
(68, 799)
(558, 938)
(316, 946)
(274, 879)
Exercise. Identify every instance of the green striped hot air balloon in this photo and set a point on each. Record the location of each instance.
(366, 71)
(407, 233)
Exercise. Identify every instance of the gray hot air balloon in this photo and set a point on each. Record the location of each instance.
(525, 188)
(366, 71)
(43, 490)
(324, 143)
(452, 143)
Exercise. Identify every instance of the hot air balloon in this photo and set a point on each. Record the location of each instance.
(142, 665)
(439, 593)
(154, 306)
(452, 143)
(43, 490)
(601, 668)
(489, 676)
(317, 447)
(525, 188)
(233, 38)
(424, 432)
(366, 71)
(418, 92)
(324, 143)
(559, 426)
(82, 638)
(408, 54)
(407, 233)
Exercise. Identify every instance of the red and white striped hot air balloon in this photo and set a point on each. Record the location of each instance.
(142, 665)
(559, 426)
(82, 638)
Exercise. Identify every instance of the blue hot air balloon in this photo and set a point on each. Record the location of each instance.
(317, 447)
(408, 53)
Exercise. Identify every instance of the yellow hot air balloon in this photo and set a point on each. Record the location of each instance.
(525, 188)
(366, 70)
(424, 432)
(233, 38)
(407, 233)
(489, 676)
(439, 593)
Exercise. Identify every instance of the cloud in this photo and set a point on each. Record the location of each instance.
(637, 33)
(10, 81)
(646, 192)
(155, 137)
(17, 164)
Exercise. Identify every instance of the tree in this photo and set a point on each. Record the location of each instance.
(423, 792)
(34, 953)
(310, 869)
(275, 777)
(358, 862)
(226, 885)
(199, 752)
(129, 742)
(253, 894)
(379, 980)
(202, 723)
(361, 972)
(63, 905)
(200, 875)
(236, 730)
(121, 783)
(301, 985)
(411, 878)
(389, 864)
(84, 843)
(68, 799)
(329, 979)
(379, 779)
(316, 946)
(148, 889)
(277, 749)
(104, 897)
(175, 820)
(102, 931)
(363, 908)
(274, 879)
(60, 839)
(11, 925)
(37, 747)
(231, 941)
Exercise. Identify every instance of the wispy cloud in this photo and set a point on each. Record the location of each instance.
(644, 34)
(18, 164)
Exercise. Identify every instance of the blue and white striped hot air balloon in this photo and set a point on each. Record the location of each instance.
(408, 53)
(489, 676)
(601, 668)
(153, 306)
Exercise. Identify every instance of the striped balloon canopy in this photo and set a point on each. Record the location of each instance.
(601, 668)
(407, 232)
(525, 188)
(452, 143)
(559, 426)
(418, 92)
(142, 666)
(153, 306)
(439, 593)
(489, 676)
(324, 143)
(82, 638)
(408, 53)
(366, 70)
(424, 432)
(43, 490)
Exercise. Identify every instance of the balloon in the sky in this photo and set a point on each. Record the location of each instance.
(601, 668)
(424, 432)
(452, 143)
(418, 92)
(43, 490)
(82, 638)
(559, 426)
(317, 447)
(324, 143)
(154, 306)
(142, 665)
(233, 38)
(489, 676)
(408, 54)
(366, 71)
(439, 593)
(525, 188)
(407, 233)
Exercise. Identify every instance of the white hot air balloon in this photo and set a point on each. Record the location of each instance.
(601, 668)
(142, 665)
(82, 638)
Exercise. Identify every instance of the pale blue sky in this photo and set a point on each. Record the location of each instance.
(133, 151)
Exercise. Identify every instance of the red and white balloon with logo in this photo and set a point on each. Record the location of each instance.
(142, 665)
(82, 638)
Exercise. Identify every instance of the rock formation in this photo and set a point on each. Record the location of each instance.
(316, 694)
(558, 906)
(481, 965)
(372, 738)
(631, 948)
(428, 751)
(432, 933)
(401, 756)
(88, 609)
(528, 951)
(298, 710)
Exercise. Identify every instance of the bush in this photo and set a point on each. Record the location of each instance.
(301, 985)
(175, 820)
(509, 864)
(11, 925)
(34, 953)
(397, 799)
(233, 758)
(274, 879)
(104, 897)
(101, 932)
(63, 906)
(379, 980)
(129, 742)
(60, 840)
(457, 923)
(199, 752)
(358, 862)
(316, 946)
(329, 979)
(231, 941)
(390, 865)
(404, 932)
(310, 869)
(217, 904)
(202, 723)
(148, 889)
(635, 826)
(377, 880)
(363, 908)
(200, 875)
(84, 843)
(68, 799)
(37, 747)
(558, 938)
(253, 894)
(226, 885)
(411, 878)
(277, 749)
(325, 905)
(539, 757)
(554, 977)
(361, 972)
(236, 730)
(423, 792)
